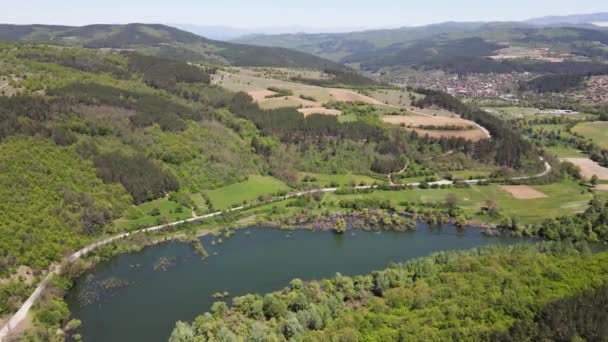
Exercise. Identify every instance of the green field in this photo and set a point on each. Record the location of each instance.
(564, 198)
(561, 129)
(469, 174)
(144, 216)
(325, 180)
(528, 112)
(199, 203)
(596, 131)
(250, 190)
(565, 152)
(513, 112)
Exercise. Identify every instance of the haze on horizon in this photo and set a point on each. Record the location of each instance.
(297, 15)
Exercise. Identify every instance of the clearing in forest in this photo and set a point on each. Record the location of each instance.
(523, 192)
(302, 95)
(589, 167)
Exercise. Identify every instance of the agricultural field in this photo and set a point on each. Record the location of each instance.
(523, 192)
(565, 152)
(274, 93)
(285, 74)
(589, 168)
(250, 190)
(560, 129)
(152, 213)
(323, 111)
(596, 131)
(326, 180)
(395, 97)
(432, 126)
(307, 95)
(561, 199)
(513, 113)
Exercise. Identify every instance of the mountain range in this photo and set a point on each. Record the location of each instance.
(164, 41)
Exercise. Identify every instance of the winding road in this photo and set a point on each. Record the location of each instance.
(23, 311)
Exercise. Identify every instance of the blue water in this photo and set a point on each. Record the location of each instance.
(144, 301)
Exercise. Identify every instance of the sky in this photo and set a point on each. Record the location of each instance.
(339, 14)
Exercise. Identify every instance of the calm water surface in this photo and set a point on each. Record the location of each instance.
(139, 296)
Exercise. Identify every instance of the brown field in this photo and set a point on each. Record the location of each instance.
(422, 120)
(260, 95)
(589, 168)
(601, 187)
(473, 135)
(411, 122)
(319, 110)
(343, 95)
(257, 87)
(307, 103)
(523, 192)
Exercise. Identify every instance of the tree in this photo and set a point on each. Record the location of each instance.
(461, 221)
(340, 226)
(451, 200)
(491, 205)
(182, 333)
(594, 180)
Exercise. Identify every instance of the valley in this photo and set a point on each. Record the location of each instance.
(327, 187)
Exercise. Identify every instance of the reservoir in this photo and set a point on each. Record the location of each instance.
(139, 296)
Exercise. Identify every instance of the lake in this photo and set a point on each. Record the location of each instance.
(139, 296)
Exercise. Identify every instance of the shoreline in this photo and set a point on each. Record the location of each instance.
(21, 314)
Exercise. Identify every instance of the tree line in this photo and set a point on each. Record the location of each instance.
(416, 300)
(507, 146)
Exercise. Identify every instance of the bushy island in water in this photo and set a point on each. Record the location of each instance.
(516, 293)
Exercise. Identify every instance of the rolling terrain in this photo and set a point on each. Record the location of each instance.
(163, 41)
(116, 137)
(459, 47)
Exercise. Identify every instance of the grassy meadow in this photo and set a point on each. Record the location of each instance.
(596, 131)
(247, 191)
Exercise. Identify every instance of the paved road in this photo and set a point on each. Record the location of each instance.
(20, 315)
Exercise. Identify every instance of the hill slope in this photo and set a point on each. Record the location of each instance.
(164, 41)
(446, 43)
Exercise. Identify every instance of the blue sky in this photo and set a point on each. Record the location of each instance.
(272, 13)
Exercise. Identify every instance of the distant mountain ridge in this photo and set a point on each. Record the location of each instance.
(164, 41)
(576, 19)
(231, 33)
(447, 45)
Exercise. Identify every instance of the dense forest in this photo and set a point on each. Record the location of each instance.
(581, 317)
(474, 296)
(88, 134)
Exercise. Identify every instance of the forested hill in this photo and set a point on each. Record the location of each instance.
(454, 47)
(165, 41)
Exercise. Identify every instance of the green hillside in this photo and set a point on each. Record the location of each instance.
(164, 41)
(444, 45)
